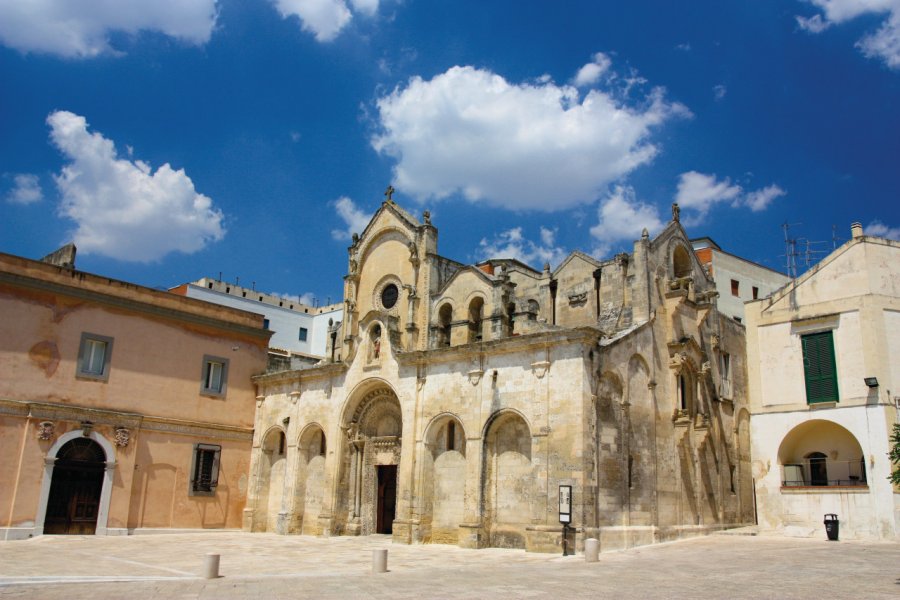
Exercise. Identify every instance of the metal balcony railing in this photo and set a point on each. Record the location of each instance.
(823, 472)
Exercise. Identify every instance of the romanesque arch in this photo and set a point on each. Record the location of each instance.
(443, 477)
(310, 484)
(270, 479)
(371, 459)
(508, 479)
(820, 452)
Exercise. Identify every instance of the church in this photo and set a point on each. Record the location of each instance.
(457, 400)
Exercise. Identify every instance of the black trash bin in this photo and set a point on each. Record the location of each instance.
(832, 525)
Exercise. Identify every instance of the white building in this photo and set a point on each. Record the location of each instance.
(300, 331)
(823, 357)
(738, 280)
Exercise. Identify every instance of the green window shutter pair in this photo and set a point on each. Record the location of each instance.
(819, 367)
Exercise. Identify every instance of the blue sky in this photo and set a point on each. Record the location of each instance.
(183, 138)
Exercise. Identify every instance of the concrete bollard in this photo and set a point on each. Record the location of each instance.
(379, 560)
(591, 550)
(211, 566)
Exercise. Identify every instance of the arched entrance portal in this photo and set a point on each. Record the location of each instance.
(74, 501)
(373, 457)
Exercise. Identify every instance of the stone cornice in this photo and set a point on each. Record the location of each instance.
(507, 345)
(316, 372)
(148, 307)
(67, 412)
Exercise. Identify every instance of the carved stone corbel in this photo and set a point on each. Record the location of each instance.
(540, 368)
(475, 376)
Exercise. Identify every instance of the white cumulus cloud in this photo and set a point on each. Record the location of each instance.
(81, 29)
(879, 229)
(26, 189)
(325, 19)
(512, 244)
(122, 208)
(366, 7)
(883, 43)
(533, 146)
(590, 73)
(322, 18)
(355, 220)
(622, 218)
(699, 192)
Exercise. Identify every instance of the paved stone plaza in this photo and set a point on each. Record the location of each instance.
(271, 566)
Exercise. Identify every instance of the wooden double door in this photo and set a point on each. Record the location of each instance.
(74, 501)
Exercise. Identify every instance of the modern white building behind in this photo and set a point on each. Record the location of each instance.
(823, 356)
(738, 280)
(299, 330)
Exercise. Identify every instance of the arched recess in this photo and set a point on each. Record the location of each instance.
(102, 509)
(681, 262)
(476, 320)
(609, 448)
(444, 478)
(310, 484)
(821, 453)
(271, 471)
(370, 460)
(508, 479)
(444, 320)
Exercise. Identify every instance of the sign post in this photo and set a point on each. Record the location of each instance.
(565, 514)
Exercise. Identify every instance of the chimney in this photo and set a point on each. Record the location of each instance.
(856, 230)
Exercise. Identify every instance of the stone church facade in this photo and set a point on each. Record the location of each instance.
(456, 399)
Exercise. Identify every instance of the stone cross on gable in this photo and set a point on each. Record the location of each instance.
(389, 192)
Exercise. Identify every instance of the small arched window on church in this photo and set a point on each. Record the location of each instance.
(321, 443)
(685, 392)
(445, 316)
(534, 310)
(451, 435)
(681, 262)
(476, 307)
(282, 442)
(511, 318)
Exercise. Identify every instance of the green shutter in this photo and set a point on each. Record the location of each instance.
(819, 368)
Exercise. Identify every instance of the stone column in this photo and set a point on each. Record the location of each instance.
(471, 530)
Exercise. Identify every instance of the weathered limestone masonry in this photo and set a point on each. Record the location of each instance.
(456, 399)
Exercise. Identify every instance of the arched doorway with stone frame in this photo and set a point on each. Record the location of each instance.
(77, 485)
(271, 469)
(508, 479)
(309, 487)
(370, 462)
(443, 479)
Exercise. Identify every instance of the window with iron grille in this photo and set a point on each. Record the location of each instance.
(205, 470)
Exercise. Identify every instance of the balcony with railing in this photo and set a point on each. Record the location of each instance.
(819, 472)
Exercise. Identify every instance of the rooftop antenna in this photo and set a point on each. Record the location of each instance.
(220, 276)
(790, 251)
(834, 237)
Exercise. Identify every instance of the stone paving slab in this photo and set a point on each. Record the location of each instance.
(272, 566)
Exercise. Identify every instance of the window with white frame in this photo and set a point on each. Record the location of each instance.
(205, 470)
(214, 376)
(94, 356)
